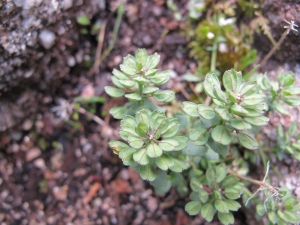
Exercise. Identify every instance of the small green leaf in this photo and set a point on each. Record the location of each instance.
(257, 121)
(128, 70)
(150, 90)
(203, 195)
(260, 209)
(135, 142)
(128, 121)
(226, 218)
(160, 77)
(232, 205)
(179, 165)
(273, 217)
(210, 83)
(221, 134)
(141, 55)
(208, 212)
(240, 124)
(218, 148)
(190, 108)
(232, 193)
(230, 80)
(200, 136)
(190, 77)
(114, 92)
(238, 110)
(292, 100)
(253, 100)
(195, 184)
(229, 181)
(280, 108)
(288, 216)
(143, 116)
(141, 157)
(221, 172)
(290, 202)
(172, 128)
(211, 175)
(221, 206)
(291, 91)
(83, 20)
(164, 162)
(220, 95)
(126, 155)
(152, 61)
(118, 112)
(193, 208)
(127, 83)
(288, 79)
(129, 61)
(206, 112)
(168, 144)
(162, 96)
(117, 146)
(247, 141)
(249, 88)
(195, 150)
(223, 113)
(142, 129)
(182, 140)
(134, 97)
(153, 150)
(118, 74)
(147, 172)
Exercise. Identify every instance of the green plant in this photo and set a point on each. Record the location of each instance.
(202, 150)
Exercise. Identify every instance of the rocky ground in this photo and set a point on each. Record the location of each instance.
(53, 172)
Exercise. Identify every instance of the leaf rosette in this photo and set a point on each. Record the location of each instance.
(151, 138)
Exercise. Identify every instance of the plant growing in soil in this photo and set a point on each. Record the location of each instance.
(206, 147)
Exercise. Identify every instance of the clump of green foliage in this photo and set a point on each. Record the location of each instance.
(199, 148)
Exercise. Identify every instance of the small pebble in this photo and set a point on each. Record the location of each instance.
(47, 38)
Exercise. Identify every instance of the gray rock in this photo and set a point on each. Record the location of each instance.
(47, 38)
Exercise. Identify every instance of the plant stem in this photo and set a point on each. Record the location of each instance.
(141, 93)
(275, 47)
(213, 59)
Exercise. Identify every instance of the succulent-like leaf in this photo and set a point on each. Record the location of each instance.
(190, 108)
(160, 77)
(230, 80)
(162, 96)
(134, 97)
(127, 83)
(199, 136)
(135, 142)
(164, 162)
(206, 111)
(182, 140)
(152, 61)
(221, 172)
(179, 165)
(168, 144)
(193, 208)
(118, 112)
(117, 146)
(141, 80)
(151, 72)
(223, 112)
(218, 148)
(221, 206)
(147, 172)
(127, 156)
(257, 121)
(220, 95)
(240, 124)
(128, 70)
(150, 90)
(232, 205)
(143, 116)
(226, 218)
(114, 92)
(141, 157)
(142, 129)
(253, 99)
(129, 61)
(247, 141)
(203, 195)
(118, 74)
(141, 55)
(249, 88)
(208, 212)
(232, 193)
(172, 128)
(153, 150)
(221, 134)
(210, 83)
(116, 82)
(238, 110)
